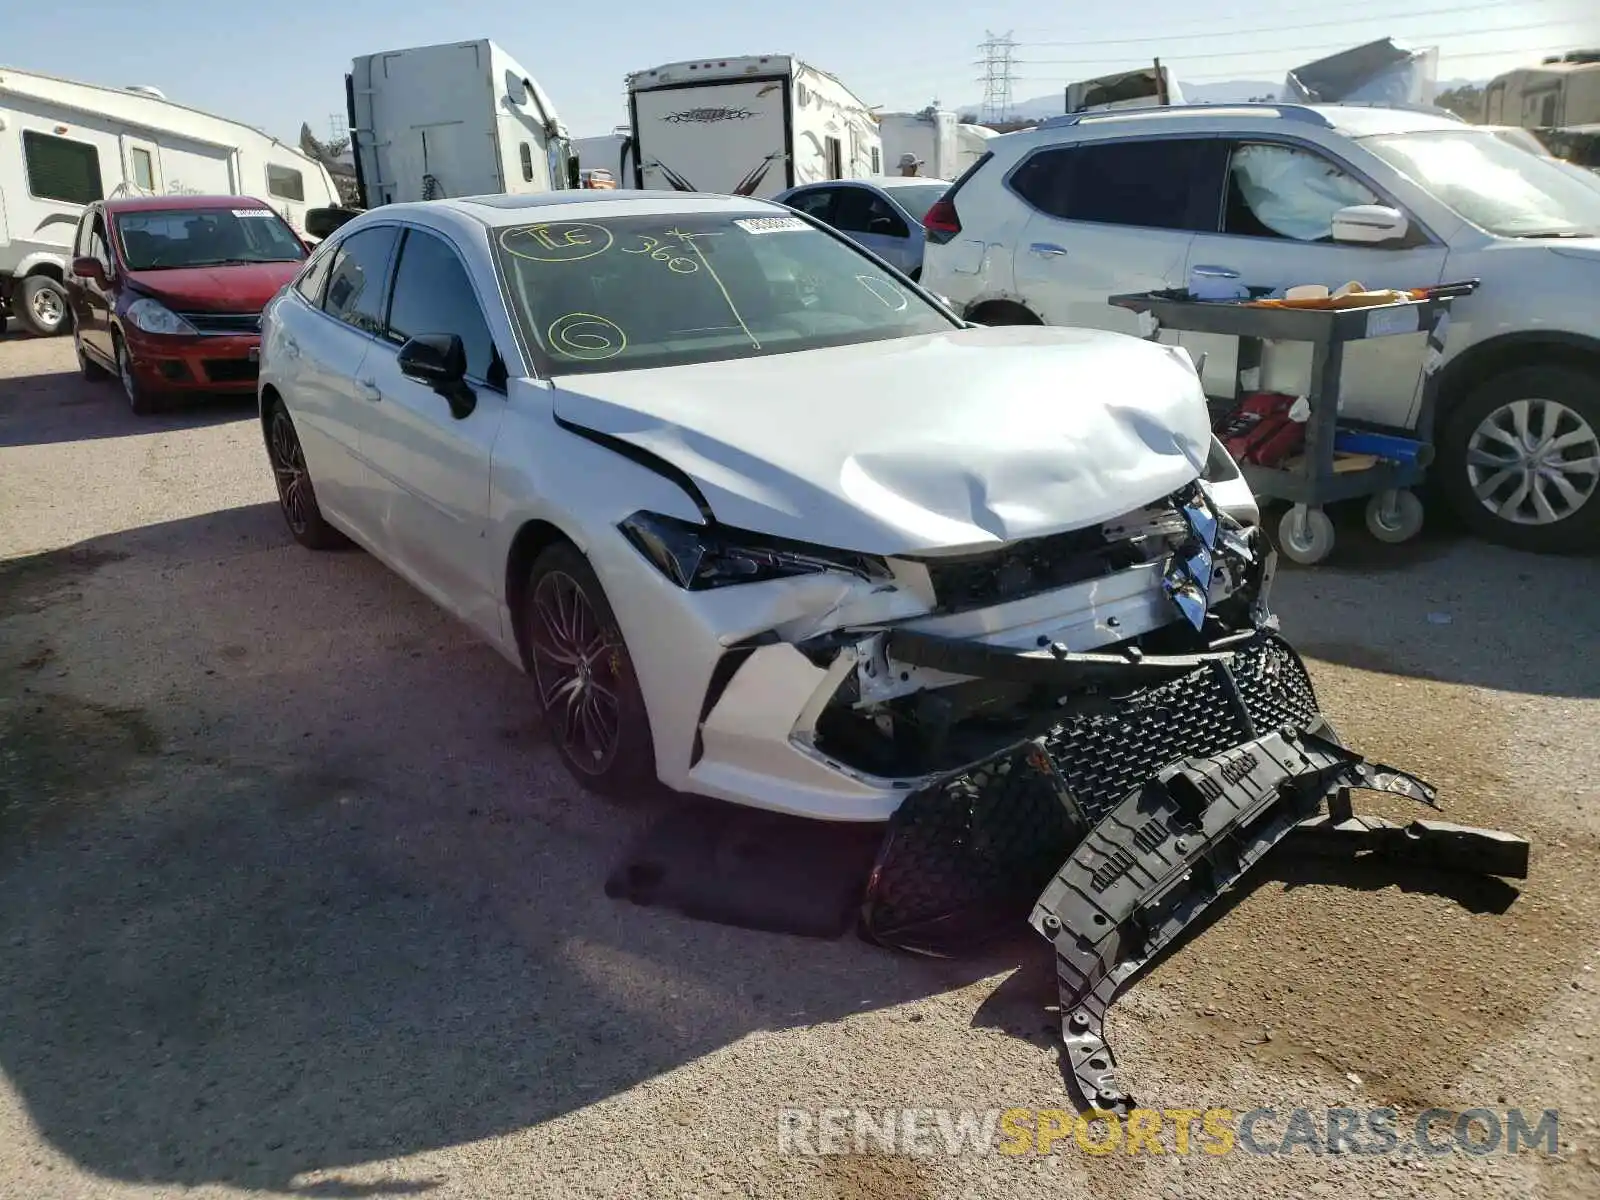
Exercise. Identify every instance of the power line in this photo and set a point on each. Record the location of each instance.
(1186, 77)
(1182, 31)
(1298, 25)
(999, 72)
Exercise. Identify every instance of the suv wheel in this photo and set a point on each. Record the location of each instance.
(1520, 459)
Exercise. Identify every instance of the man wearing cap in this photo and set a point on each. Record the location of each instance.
(910, 164)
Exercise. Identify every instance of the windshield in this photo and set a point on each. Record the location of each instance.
(1497, 186)
(918, 199)
(666, 290)
(164, 239)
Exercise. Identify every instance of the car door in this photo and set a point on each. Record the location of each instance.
(1107, 217)
(862, 215)
(1273, 229)
(92, 300)
(431, 467)
(322, 346)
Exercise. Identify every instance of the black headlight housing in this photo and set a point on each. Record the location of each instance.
(699, 557)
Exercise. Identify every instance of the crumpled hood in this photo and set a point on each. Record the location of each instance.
(238, 288)
(952, 440)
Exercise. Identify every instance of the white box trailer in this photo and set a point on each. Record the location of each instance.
(946, 145)
(457, 119)
(65, 144)
(749, 126)
(611, 152)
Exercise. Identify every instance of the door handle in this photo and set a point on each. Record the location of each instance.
(369, 389)
(1047, 249)
(1214, 272)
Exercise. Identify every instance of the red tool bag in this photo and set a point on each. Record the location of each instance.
(1260, 430)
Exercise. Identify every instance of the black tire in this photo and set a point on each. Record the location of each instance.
(43, 307)
(297, 498)
(595, 713)
(141, 402)
(87, 367)
(1574, 390)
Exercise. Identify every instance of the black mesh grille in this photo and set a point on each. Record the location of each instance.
(209, 322)
(965, 854)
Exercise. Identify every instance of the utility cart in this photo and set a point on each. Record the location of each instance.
(1388, 466)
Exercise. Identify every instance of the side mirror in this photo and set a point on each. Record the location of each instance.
(1369, 225)
(439, 360)
(321, 222)
(89, 268)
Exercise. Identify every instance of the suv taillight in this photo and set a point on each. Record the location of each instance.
(942, 221)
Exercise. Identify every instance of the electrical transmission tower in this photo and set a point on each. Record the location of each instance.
(337, 128)
(999, 65)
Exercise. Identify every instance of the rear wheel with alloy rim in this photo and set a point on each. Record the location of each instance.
(87, 367)
(296, 496)
(587, 688)
(1521, 459)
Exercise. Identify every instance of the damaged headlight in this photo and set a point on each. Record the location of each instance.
(697, 557)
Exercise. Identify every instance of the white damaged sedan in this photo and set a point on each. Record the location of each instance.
(763, 520)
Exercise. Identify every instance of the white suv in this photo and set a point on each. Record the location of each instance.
(1052, 221)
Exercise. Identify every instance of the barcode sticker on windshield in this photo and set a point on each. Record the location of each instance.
(771, 224)
(254, 212)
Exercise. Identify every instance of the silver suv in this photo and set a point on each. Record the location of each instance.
(1053, 220)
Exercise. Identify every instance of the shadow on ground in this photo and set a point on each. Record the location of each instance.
(273, 911)
(50, 408)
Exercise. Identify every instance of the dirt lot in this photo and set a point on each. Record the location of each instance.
(296, 900)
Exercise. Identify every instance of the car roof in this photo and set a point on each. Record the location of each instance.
(122, 204)
(1352, 120)
(572, 204)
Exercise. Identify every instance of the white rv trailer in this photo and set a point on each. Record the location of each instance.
(1563, 90)
(749, 126)
(611, 152)
(946, 145)
(65, 144)
(457, 119)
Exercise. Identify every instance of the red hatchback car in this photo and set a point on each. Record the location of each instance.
(167, 292)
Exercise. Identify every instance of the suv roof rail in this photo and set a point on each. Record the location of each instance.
(1287, 112)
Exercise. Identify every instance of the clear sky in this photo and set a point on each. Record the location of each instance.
(278, 63)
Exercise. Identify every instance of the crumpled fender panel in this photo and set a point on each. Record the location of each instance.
(963, 859)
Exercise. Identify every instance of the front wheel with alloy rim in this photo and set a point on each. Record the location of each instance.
(584, 676)
(1520, 460)
(296, 497)
(43, 306)
(140, 401)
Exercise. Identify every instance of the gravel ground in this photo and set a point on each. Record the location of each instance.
(296, 900)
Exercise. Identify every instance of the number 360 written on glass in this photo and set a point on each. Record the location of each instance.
(664, 254)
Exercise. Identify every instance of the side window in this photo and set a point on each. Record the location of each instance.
(80, 243)
(1151, 183)
(526, 152)
(357, 276)
(144, 168)
(315, 275)
(1287, 192)
(861, 211)
(818, 203)
(433, 294)
(61, 169)
(285, 183)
